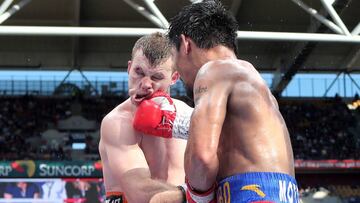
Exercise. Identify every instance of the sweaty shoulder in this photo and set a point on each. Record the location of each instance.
(224, 70)
(117, 122)
(229, 76)
(117, 114)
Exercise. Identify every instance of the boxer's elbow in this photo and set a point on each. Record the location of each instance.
(201, 169)
(204, 161)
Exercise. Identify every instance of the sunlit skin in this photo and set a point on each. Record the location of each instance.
(137, 165)
(236, 125)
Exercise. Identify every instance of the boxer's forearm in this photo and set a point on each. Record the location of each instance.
(201, 161)
(201, 170)
(173, 196)
(140, 187)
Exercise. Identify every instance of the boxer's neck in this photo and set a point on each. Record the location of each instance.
(201, 56)
(219, 53)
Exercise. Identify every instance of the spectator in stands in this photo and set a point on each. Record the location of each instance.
(21, 190)
(54, 190)
(83, 190)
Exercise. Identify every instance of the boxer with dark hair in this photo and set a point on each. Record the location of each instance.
(239, 145)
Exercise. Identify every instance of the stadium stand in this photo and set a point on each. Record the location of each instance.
(322, 129)
(319, 129)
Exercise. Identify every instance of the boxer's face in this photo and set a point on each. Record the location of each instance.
(187, 63)
(187, 75)
(145, 79)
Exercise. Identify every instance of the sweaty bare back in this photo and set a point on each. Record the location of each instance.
(254, 136)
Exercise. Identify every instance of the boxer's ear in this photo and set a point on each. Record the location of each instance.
(129, 66)
(174, 77)
(185, 41)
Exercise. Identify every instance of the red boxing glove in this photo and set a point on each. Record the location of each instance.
(195, 197)
(156, 115)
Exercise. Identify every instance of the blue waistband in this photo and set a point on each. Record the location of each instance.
(258, 186)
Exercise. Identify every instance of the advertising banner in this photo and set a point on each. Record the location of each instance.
(93, 169)
(50, 169)
(327, 164)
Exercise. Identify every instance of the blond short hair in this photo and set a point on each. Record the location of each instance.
(156, 48)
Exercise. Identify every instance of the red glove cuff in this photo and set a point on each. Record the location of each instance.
(162, 94)
(193, 196)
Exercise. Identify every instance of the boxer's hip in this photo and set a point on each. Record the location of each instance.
(115, 197)
(258, 187)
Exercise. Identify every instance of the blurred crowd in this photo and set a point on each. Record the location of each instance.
(319, 129)
(49, 190)
(22, 119)
(331, 193)
(323, 129)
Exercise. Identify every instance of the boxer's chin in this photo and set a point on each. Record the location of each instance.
(134, 101)
(137, 98)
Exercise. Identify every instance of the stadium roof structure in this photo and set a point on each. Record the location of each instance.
(280, 36)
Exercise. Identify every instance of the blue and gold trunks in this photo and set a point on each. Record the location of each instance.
(258, 187)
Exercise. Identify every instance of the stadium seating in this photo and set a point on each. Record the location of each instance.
(322, 129)
(319, 129)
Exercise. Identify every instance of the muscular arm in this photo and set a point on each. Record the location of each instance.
(201, 161)
(125, 164)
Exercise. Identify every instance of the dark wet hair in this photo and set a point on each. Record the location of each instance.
(156, 47)
(207, 23)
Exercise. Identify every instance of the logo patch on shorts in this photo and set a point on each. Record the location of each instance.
(255, 188)
(114, 200)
